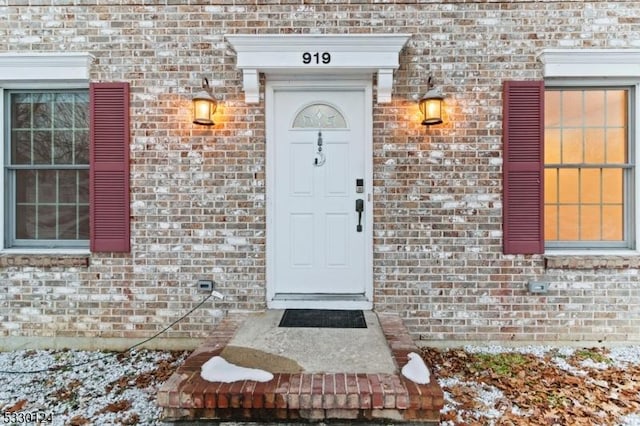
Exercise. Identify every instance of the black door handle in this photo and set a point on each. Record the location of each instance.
(359, 209)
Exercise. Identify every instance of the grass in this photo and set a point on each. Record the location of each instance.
(503, 364)
(593, 355)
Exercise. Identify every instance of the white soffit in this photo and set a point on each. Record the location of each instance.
(45, 66)
(591, 62)
(315, 54)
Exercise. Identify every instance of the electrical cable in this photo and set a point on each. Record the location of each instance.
(129, 349)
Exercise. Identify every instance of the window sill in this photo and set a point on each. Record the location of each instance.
(69, 258)
(591, 259)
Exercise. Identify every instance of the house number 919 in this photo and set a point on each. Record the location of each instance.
(316, 58)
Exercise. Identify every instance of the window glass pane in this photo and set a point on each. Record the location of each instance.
(550, 186)
(568, 185)
(81, 146)
(42, 147)
(25, 222)
(67, 222)
(46, 222)
(83, 222)
(612, 223)
(594, 108)
(572, 108)
(552, 146)
(63, 110)
(550, 222)
(26, 181)
(42, 110)
(590, 223)
(67, 186)
(47, 183)
(616, 146)
(552, 108)
(612, 186)
(572, 146)
(616, 108)
(319, 116)
(590, 186)
(594, 149)
(83, 186)
(21, 111)
(63, 149)
(81, 111)
(21, 147)
(567, 223)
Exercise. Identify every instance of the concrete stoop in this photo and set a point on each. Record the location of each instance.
(302, 397)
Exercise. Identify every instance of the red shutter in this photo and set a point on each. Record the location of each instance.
(109, 167)
(523, 168)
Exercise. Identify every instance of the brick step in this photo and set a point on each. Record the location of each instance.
(302, 396)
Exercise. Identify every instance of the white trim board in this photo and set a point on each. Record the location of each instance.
(326, 54)
(590, 62)
(37, 67)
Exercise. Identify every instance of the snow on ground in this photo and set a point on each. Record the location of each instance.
(116, 389)
(416, 370)
(218, 369)
(119, 389)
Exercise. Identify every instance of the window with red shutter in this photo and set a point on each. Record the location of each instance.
(523, 168)
(109, 167)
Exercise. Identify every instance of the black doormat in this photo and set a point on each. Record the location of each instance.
(322, 318)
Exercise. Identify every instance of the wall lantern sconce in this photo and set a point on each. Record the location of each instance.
(431, 105)
(204, 106)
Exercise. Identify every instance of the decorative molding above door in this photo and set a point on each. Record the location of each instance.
(314, 54)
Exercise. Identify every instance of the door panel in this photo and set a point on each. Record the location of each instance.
(317, 249)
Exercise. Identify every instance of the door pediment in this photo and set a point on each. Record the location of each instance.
(314, 54)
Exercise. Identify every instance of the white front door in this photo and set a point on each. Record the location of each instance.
(319, 241)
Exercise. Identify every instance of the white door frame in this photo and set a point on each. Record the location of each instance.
(285, 83)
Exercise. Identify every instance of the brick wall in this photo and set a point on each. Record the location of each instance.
(198, 195)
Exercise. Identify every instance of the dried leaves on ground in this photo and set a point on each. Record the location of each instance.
(575, 387)
(80, 388)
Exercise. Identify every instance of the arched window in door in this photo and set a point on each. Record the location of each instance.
(319, 116)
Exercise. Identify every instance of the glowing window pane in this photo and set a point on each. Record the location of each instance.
(616, 108)
(612, 186)
(567, 223)
(552, 108)
(572, 146)
(572, 115)
(550, 186)
(550, 222)
(612, 223)
(594, 146)
(594, 108)
(568, 184)
(590, 223)
(552, 146)
(590, 191)
(616, 146)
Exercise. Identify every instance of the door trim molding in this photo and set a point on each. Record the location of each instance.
(276, 83)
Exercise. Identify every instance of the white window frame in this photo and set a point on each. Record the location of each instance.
(66, 70)
(602, 68)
